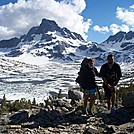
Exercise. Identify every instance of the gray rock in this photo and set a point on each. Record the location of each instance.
(128, 100)
(59, 120)
(62, 103)
(9, 43)
(75, 94)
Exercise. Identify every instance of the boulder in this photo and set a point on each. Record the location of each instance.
(75, 94)
(128, 100)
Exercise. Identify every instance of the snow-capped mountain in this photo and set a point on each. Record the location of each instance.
(27, 69)
(121, 45)
(47, 39)
(51, 41)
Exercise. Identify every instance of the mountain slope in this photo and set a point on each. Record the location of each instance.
(53, 42)
(48, 40)
(121, 45)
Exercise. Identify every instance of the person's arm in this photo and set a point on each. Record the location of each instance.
(106, 83)
(117, 80)
(103, 75)
(96, 72)
(119, 75)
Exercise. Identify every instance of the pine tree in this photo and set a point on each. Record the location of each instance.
(3, 108)
(34, 101)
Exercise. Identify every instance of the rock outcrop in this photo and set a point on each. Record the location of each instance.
(60, 117)
(128, 100)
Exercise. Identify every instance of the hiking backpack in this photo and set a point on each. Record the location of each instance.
(83, 64)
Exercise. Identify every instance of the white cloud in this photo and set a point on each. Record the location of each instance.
(127, 19)
(6, 31)
(103, 29)
(132, 6)
(18, 18)
(116, 28)
(126, 15)
(77, 5)
(124, 28)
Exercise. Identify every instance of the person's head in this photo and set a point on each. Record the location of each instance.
(84, 62)
(90, 62)
(110, 59)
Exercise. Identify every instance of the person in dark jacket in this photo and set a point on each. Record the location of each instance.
(110, 73)
(88, 84)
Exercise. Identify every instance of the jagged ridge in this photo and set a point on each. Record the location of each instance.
(51, 41)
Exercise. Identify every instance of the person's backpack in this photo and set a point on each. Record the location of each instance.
(78, 80)
(83, 64)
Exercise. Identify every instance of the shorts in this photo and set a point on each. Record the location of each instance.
(108, 92)
(91, 91)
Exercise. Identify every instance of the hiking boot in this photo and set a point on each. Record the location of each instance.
(108, 111)
(91, 113)
(112, 111)
(85, 111)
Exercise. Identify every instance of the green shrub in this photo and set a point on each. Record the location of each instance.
(124, 90)
(14, 106)
(3, 107)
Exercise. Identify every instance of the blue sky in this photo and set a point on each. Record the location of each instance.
(95, 20)
(103, 13)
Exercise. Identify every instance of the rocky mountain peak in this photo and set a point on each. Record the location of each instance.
(52, 41)
(13, 42)
(116, 38)
(129, 35)
(47, 25)
(120, 36)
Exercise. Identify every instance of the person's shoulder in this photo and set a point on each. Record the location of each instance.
(83, 69)
(116, 64)
(94, 68)
(105, 65)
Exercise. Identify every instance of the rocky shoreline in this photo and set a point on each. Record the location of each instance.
(62, 116)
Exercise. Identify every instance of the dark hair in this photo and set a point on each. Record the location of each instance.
(91, 60)
(110, 56)
(84, 62)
